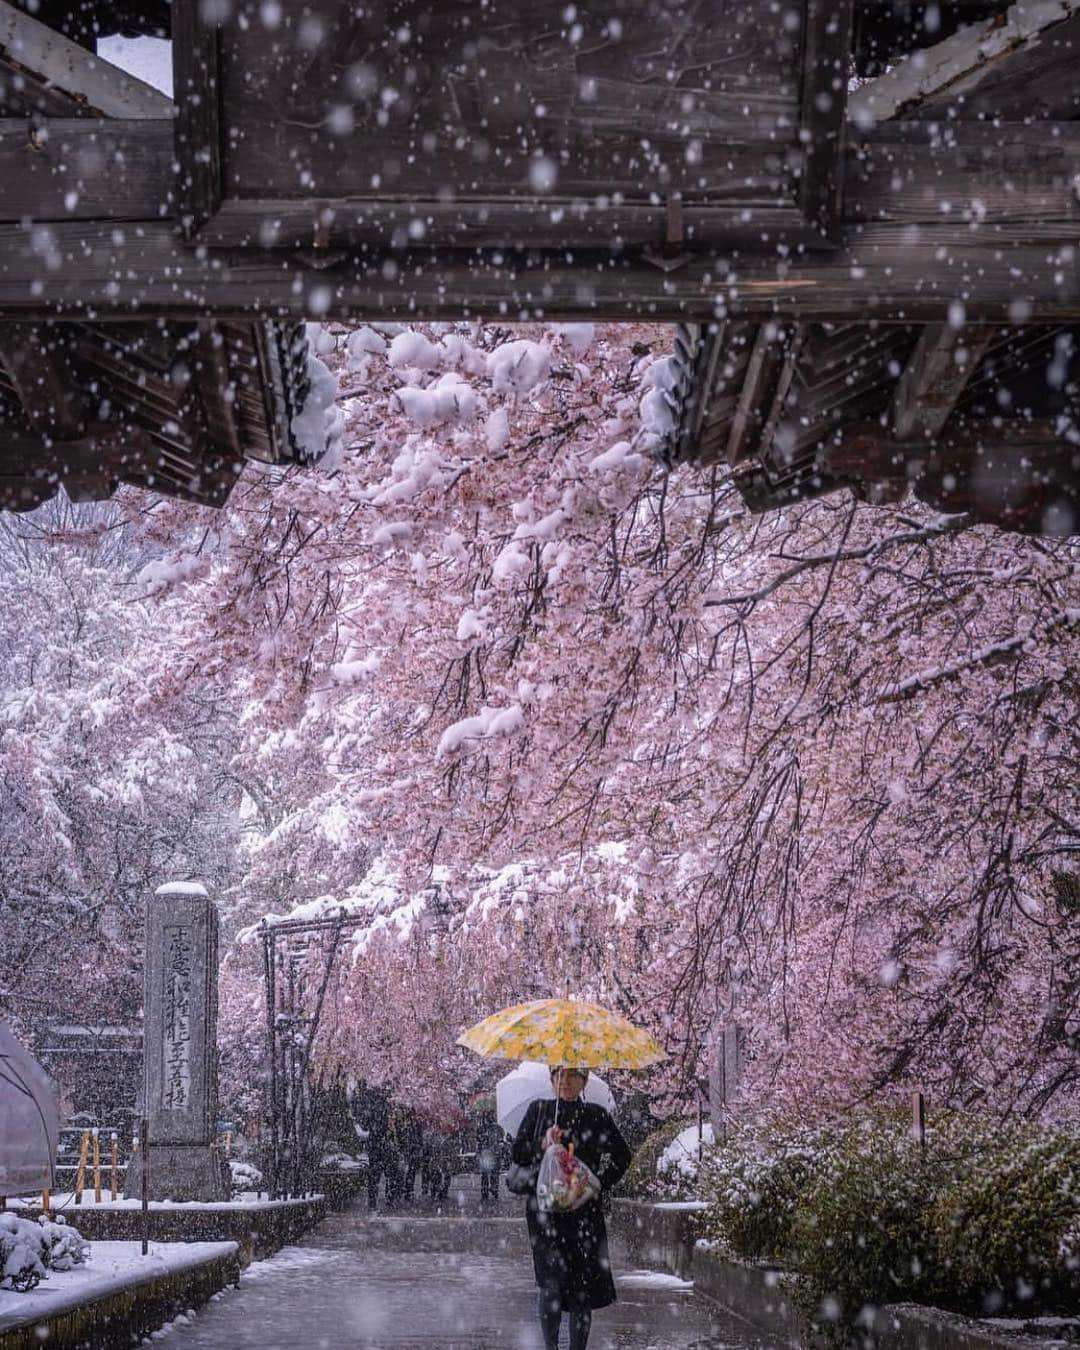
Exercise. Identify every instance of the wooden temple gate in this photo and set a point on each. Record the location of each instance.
(863, 214)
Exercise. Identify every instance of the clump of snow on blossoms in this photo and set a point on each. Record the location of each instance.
(577, 336)
(412, 350)
(486, 725)
(317, 425)
(157, 576)
(519, 367)
(497, 429)
(364, 342)
(449, 399)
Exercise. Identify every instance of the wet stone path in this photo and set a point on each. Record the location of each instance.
(460, 1280)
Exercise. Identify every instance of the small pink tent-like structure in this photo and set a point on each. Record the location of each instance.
(29, 1124)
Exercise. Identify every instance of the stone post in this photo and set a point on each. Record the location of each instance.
(725, 1071)
(180, 1048)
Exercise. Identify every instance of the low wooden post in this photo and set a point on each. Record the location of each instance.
(114, 1161)
(918, 1118)
(97, 1166)
(45, 1201)
(144, 1149)
(80, 1171)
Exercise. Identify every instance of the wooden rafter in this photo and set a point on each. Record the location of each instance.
(944, 359)
(216, 388)
(39, 372)
(755, 397)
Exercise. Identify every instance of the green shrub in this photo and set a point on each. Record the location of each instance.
(1007, 1225)
(753, 1181)
(641, 1181)
(861, 1235)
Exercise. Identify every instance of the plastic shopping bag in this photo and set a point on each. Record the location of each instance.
(564, 1182)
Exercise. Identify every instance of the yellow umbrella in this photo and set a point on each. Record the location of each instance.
(563, 1031)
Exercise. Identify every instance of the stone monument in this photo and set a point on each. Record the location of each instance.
(180, 1048)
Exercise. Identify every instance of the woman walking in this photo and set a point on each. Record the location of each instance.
(569, 1249)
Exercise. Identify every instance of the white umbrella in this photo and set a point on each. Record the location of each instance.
(532, 1080)
(29, 1125)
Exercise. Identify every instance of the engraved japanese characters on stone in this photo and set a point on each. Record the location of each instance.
(176, 1019)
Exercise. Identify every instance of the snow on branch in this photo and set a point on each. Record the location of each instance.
(990, 655)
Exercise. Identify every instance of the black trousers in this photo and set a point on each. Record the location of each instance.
(551, 1311)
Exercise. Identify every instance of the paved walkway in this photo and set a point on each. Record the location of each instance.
(459, 1280)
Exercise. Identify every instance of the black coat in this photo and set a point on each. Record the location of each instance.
(570, 1251)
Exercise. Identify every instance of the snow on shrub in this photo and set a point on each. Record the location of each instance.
(66, 1246)
(29, 1249)
(985, 1217)
(860, 1235)
(1007, 1228)
(753, 1180)
(245, 1176)
(641, 1181)
(22, 1253)
(337, 1160)
(678, 1165)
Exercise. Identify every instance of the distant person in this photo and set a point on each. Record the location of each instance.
(406, 1138)
(449, 1149)
(570, 1250)
(489, 1145)
(382, 1162)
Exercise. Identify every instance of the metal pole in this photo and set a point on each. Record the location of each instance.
(97, 1165)
(271, 1041)
(144, 1149)
(918, 1118)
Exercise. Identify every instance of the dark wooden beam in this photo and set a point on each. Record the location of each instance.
(762, 371)
(23, 95)
(981, 174)
(216, 391)
(1022, 475)
(86, 169)
(891, 274)
(978, 176)
(196, 64)
(944, 359)
(827, 44)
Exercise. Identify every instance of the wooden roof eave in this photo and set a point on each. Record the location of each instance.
(94, 83)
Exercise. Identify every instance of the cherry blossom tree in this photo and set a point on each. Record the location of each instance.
(111, 777)
(535, 714)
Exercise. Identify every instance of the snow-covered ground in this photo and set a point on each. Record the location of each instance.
(655, 1279)
(111, 1266)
